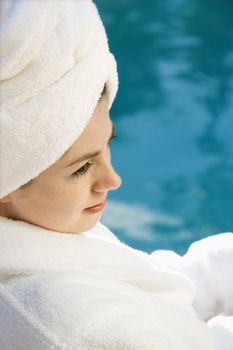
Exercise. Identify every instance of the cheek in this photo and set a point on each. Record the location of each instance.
(69, 196)
(63, 196)
(54, 193)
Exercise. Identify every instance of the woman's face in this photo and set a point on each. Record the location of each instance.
(59, 197)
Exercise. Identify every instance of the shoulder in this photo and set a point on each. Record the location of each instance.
(83, 310)
(45, 311)
(61, 310)
(20, 326)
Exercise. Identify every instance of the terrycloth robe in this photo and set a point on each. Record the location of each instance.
(90, 291)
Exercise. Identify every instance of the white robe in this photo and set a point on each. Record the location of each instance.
(91, 291)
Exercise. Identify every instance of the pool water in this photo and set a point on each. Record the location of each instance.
(174, 119)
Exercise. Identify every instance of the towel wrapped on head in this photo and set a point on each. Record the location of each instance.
(55, 61)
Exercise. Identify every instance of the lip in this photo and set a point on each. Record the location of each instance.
(96, 208)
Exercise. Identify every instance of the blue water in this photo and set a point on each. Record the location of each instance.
(174, 118)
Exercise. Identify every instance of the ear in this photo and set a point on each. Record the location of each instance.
(5, 199)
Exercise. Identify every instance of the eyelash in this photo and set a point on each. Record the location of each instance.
(84, 169)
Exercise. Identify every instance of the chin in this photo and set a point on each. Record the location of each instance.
(87, 223)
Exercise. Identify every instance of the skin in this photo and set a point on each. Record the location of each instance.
(56, 199)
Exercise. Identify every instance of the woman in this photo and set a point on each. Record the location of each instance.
(66, 281)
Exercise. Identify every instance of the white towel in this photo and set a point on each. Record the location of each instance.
(90, 291)
(208, 263)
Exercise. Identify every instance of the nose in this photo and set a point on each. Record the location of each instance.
(107, 180)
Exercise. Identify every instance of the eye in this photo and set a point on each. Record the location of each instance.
(112, 137)
(83, 170)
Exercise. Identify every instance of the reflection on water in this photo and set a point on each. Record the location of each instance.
(174, 114)
(137, 221)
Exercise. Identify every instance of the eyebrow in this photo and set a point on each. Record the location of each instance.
(93, 154)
